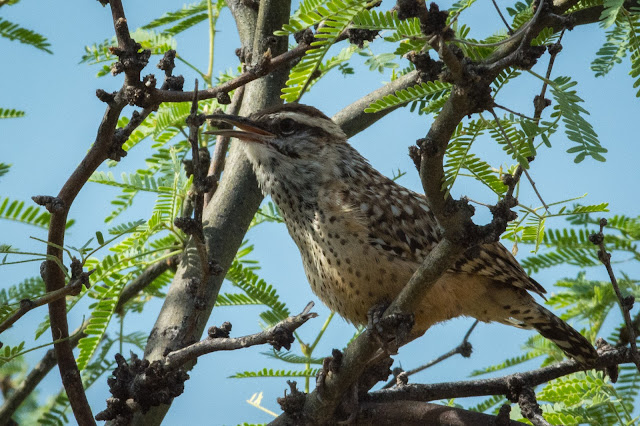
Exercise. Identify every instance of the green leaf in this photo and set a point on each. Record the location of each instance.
(268, 372)
(610, 12)
(124, 228)
(613, 50)
(100, 318)
(312, 12)
(132, 182)
(187, 11)
(371, 19)
(459, 157)
(408, 30)
(509, 362)
(577, 128)
(533, 231)
(32, 215)
(490, 402)
(8, 353)
(292, 358)
(336, 18)
(4, 168)
(16, 32)
(381, 62)
(30, 288)
(182, 19)
(11, 113)
(426, 91)
(634, 47)
(521, 12)
(257, 291)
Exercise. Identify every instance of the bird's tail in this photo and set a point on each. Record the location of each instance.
(572, 343)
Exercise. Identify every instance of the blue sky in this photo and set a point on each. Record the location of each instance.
(63, 114)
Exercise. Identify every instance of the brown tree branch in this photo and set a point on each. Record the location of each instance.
(73, 288)
(504, 21)
(148, 276)
(49, 360)
(626, 334)
(530, 408)
(274, 335)
(352, 118)
(496, 386)
(464, 349)
(410, 413)
(626, 303)
(222, 146)
(266, 68)
(227, 216)
(35, 376)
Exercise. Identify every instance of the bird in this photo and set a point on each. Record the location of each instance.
(361, 235)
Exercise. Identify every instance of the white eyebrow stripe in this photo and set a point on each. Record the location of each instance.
(325, 125)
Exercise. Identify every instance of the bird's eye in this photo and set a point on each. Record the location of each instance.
(287, 126)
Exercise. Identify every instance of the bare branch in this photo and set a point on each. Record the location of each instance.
(352, 118)
(506, 24)
(222, 146)
(513, 149)
(35, 376)
(73, 288)
(273, 335)
(626, 303)
(49, 360)
(266, 68)
(529, 407)
(464, 349)
(148, 276)
(410, 413)
(499, 385)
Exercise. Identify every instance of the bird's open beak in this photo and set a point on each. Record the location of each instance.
(248, 129)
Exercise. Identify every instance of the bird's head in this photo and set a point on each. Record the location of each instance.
(292, 146)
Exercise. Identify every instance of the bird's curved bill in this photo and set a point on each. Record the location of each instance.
(246, 129)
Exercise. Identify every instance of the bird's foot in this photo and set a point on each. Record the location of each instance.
(391, 331)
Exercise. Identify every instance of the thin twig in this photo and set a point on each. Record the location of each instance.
(49, 360)
(26, 305)
(513, 112)
(195, 121)
(502, 17)
(147, 276)
(497, 385)
(508, 140)
(464, 348)
(539, 105)
(626, 303)
(222, 145)
(287, 326)
(625, 335)
(13, 401)
(158, 96)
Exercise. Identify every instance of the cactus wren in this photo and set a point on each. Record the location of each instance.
(362, 236)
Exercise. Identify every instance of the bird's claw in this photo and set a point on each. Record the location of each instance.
(390, 331)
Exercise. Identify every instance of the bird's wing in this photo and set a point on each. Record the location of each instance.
(495, 261)
(399, 223)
